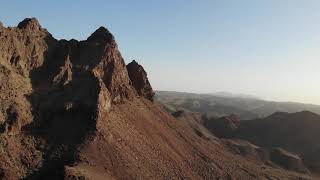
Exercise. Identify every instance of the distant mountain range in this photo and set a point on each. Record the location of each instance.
(223, 104)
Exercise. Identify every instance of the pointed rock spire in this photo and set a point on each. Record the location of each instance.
(139, 79)
(101, 34)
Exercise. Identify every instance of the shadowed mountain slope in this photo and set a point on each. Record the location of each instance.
(296, 132)
(293, 132)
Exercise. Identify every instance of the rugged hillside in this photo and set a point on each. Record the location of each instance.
(222, 127)
(74, 110)
(54, 92)
(224, 104)
(294, 132)
(225, 128)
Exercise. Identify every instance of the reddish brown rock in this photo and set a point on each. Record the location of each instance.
(59, 89)
(139, 79)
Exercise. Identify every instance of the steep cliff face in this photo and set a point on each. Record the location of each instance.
(65, 73)
(68, 109)
(57, 89)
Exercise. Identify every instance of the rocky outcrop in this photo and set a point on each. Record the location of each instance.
(139, 79)
(55, 73)
(31, 24)
(48, 86)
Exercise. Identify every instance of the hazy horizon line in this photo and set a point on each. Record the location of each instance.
(215, 93)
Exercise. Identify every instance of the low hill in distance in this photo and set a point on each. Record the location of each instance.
(296, 133)
(224, 104)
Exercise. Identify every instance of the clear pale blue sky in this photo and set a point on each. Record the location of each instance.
(266, 48)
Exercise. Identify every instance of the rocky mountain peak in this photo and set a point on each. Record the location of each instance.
(29, 23)
(139, 79)
(102, 34)
(67, 75)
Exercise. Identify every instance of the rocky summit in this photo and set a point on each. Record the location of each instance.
(140, 82)
(75, 110)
